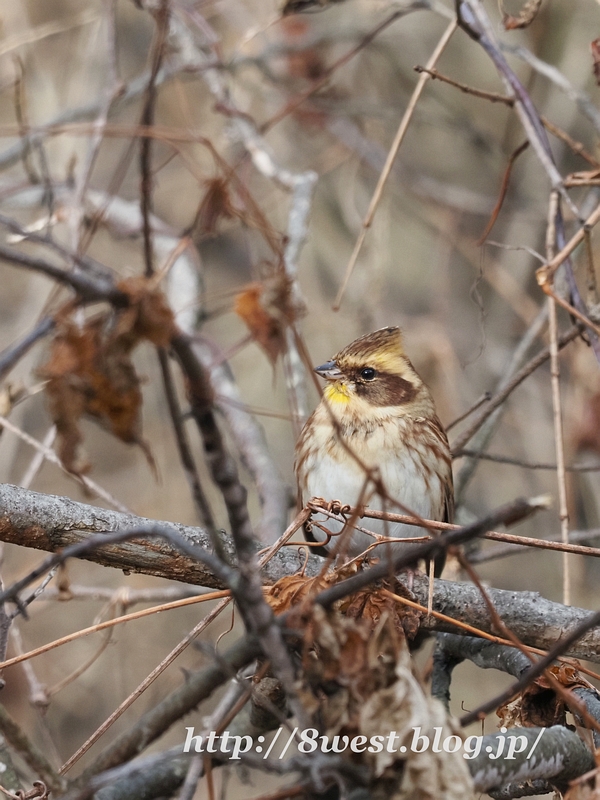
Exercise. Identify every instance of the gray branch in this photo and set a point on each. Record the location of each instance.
(536, 621)
(559, 756)
(51, 523)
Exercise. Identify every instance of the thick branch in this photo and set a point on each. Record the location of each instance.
(50, 523)
(536, 621)
(559, 756)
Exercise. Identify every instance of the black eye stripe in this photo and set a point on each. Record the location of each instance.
(387, 390)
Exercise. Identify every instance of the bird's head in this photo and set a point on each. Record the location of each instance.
(375, 370)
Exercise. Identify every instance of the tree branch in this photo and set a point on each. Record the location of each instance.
(51, 523)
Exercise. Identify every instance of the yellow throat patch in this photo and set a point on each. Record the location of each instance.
(337, 393)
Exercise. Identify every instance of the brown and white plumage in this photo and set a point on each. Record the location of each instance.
(377, 407)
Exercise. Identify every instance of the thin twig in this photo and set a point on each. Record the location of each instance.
(50, 455)
(510, 550)
(556, 406)
(503, 190)
(590, 273)
(485, 398)
(322, 81)
(111, 623)
(545, 273)
(161, 16)
(480, 634)
(391, 157)
(494, 97)
(185, 453)
(517, 462)
(562, 646)
(412, 554)
(495, 536)
(13, 354)
(500, 397)
(33, 757)
(148, 681)
(177, 650)
(38, 459)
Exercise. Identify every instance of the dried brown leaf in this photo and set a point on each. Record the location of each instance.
(587, 427)
(582, 791)
(147, 317)
(372, 603)
(595, 46)
(90, 372)
(525, 17)
(289, 591)
(268, 308)
(358, 681)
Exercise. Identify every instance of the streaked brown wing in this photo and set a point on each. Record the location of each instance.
(448, 513)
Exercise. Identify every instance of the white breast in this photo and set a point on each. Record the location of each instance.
(339, 477)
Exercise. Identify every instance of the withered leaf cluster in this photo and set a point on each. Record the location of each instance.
(89, 370)
(358, 681)
(215, 206)
(369, 605)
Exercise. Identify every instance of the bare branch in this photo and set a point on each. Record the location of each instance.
(46, 522)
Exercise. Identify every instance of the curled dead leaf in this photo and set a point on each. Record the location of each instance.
(358, 681)
(371, 605)
(289, 591)
(267, 308)
(368, 605)
(89, 370)
(525, 17)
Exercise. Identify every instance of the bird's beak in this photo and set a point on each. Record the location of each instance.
(329, 371)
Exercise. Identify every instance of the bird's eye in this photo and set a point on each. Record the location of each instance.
(367, 374)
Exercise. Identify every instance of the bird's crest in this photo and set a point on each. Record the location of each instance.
(383, 348)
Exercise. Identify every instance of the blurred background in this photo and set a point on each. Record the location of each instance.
(319, 94)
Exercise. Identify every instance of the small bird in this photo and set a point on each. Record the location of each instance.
(375, 413)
